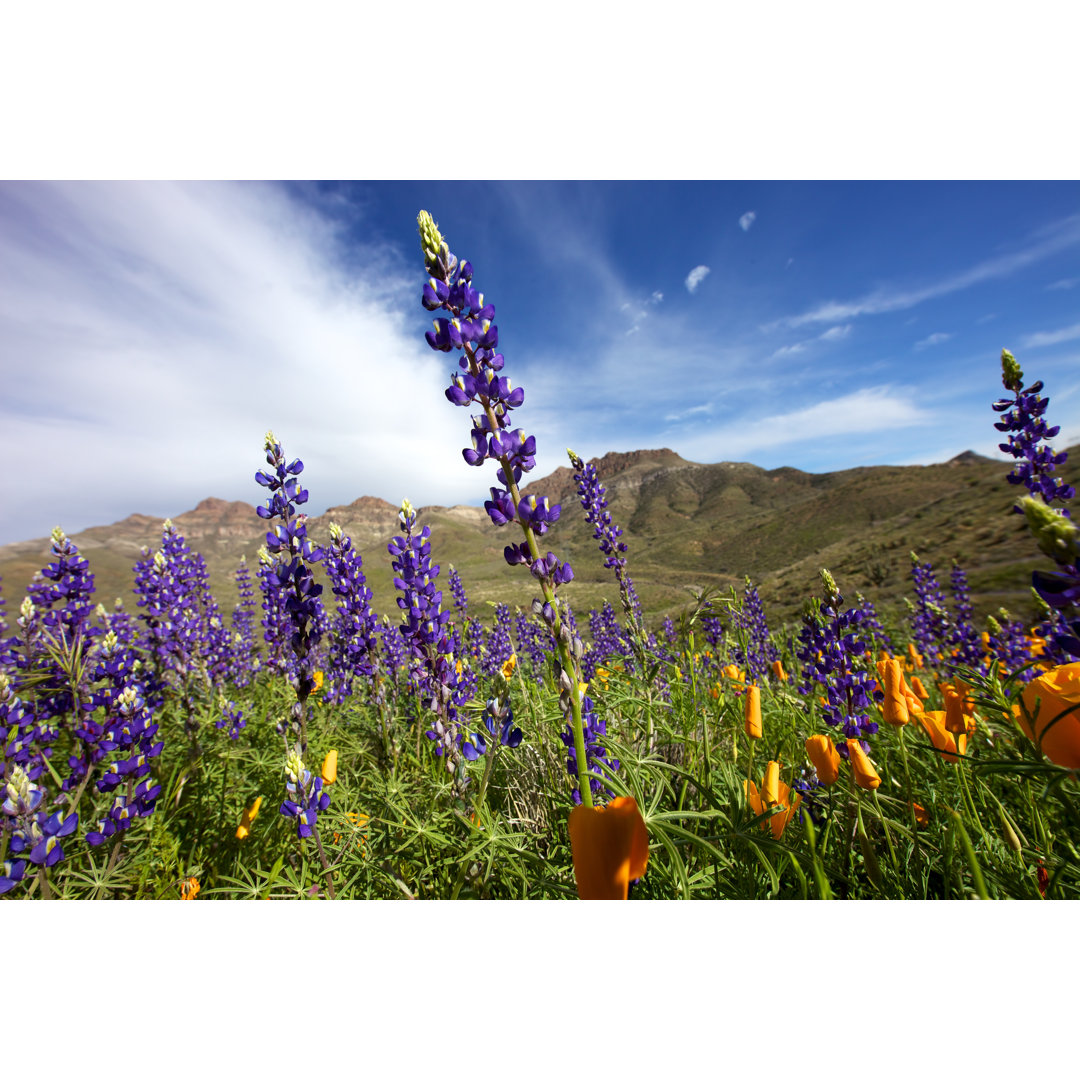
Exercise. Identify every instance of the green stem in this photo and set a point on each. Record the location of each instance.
(323, 860)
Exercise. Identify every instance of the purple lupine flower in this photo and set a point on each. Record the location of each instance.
(306, 796)
(394, 647)
(1024, 421)
(457, 591)
(833, 658)
(276, 624)
(352, 638)
(594, 502)
(608, 640)
(243, 627)
(872, 627)
(930, 625)
(424, 628)
(232, 717)
(671, 635)
(500, 646)
(533, 644)
(966, 646)
(748, 625)
(1009, 644)
(595, 754)
(470, 330)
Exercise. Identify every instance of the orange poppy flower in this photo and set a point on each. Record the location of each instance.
(921, 816)
(735, 675)
(243, 830)
(1052, 703)
(951, 746)
(958, 711)
(865, 774)
(918, 689)
(894, 709)
(610, 845)
(778, 671)
(329, 768)
(915, 656)
(752, 712)
(189, 889)
(825, 759)
(774, 792)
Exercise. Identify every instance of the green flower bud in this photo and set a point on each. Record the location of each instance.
(1011, 375)
(431, 241)
(1055, 534)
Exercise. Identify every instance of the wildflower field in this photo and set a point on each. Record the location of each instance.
(299, 746)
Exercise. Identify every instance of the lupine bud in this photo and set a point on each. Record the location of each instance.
(1056, 535)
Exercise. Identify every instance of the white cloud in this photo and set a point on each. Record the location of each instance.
(153, 332)
(1050, 337)
(1058, 237)
(789, 350)
(1064, 283)
(696, 277)
(872, 410)
(657, 297)
(747, 220)
(933, 339)
(836, 333)
(696, 410)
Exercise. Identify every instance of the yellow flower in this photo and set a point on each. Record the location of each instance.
(610, 845)
(752, 712)
(318, 682)
(329, 767)
(1052, 704)
(894, 708)
(508, 667)
(950, 745)
(774, 792)
(189, 889)
(603, 675)
(865, 774)
(824, 758)
(243, 830)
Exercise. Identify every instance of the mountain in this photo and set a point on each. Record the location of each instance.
(686, 524)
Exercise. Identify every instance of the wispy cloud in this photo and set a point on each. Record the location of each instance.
(696, 410)
(933, 339)
(789, 350)
(870, 410)
(696, 277)
(1063, 234)
(1050, 337)
(183, 320)
(747, 220)
(836, 333)
(1064, 283)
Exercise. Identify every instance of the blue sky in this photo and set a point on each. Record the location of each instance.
(151, 332)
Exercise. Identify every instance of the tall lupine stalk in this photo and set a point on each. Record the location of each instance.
(424, 628)
(500, 645)
(872, 624)
(276, 624)
(292, 557)
(1052, 527)
(833, 658)
(964, 636)
(243, 627)
(353, 629)
(748, 620)
(470, 330)
(606, 533)
(930, 624)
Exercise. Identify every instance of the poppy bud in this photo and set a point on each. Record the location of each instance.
(610, 845)
(918, 689)
(825, 759)
(778, 671)
(865, 774)
(243, 830)
(894, 708)
(329, 767)
(752, 710)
